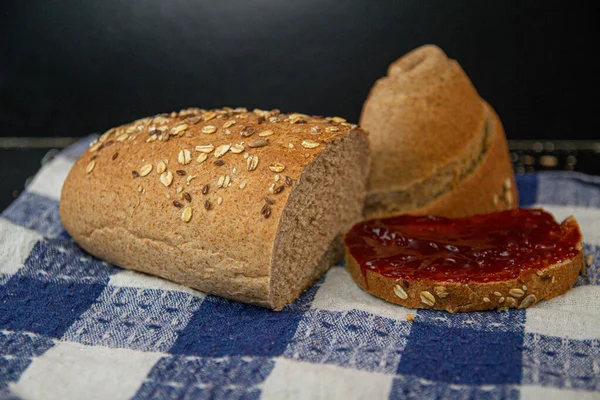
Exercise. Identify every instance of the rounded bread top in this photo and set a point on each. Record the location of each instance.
(423, 116)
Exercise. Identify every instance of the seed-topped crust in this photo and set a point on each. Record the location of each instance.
(204, 131)
(522, 292)
(202, 194)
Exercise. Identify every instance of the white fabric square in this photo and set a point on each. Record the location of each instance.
(575, 314)
(17, 243)
(298, 380)
(531, 392)
(74, 371)
(340, 293)
(133, 279)
(49, 180)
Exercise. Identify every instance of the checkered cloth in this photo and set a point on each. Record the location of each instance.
(75, 327)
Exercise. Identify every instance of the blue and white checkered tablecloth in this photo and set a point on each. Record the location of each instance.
(75, 327)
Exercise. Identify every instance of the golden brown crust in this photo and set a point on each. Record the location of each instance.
(437, 146)
(522, 292)
(138, 197)
(489, 187)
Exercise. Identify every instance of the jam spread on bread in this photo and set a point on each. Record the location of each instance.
(481, 248)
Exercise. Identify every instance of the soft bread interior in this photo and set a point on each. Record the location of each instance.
(326, 200)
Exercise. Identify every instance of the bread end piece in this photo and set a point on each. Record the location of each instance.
(438, 148)
(490, 186)
(522, 292)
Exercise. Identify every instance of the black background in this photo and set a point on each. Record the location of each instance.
(72, 67)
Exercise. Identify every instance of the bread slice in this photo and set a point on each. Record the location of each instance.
(250, 206)
(437, 146)
(520, 286)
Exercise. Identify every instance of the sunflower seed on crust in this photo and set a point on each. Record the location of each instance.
(237, 148)
(166, 178)
(400, 292)
(209, 115)
(176, 130)
(258, 143)
(252, 162)
(277, 167)
(146, 169)
(206, 148)
(184, 157)
(528, 301)
(222, 150)
(208, 129)
(161, 167)
(186, 215)
(310, 144)
(427, 298)
(90, 167)
(441, 291)
(201, 158)
(516, 292)
(96, 146)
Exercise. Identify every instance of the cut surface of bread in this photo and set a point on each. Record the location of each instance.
(437, 146)
(248, 205)
(501, 260)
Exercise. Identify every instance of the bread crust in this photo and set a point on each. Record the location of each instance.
(453, 297)
(489, 187)
(437, 147)
(117, 212)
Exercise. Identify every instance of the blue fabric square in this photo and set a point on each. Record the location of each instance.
(206, 378)
(224, 327)
(353, 339)
(478, 321)
(527, 187)
(17, 349)
(463, 355)
(411, 387)
(561, 362)
(44, 307)
(61, 260)
(132, 318)
(37, 213)
(569, 188)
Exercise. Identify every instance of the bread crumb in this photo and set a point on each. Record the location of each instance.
(410, 317)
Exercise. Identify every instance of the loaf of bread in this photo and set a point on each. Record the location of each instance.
(502, 260)
(437, 147)
(250, 206)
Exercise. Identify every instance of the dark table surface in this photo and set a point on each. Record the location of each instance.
(21, 163)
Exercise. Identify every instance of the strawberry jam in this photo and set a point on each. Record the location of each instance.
(481, 248)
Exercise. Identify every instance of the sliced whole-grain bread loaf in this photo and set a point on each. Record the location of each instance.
(248, 205)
